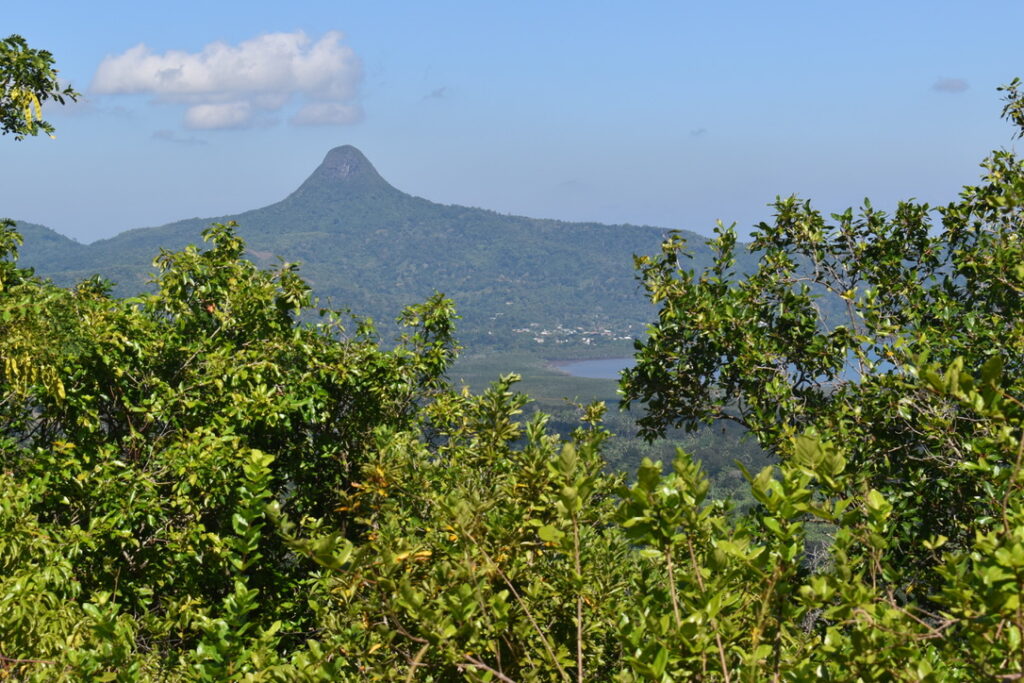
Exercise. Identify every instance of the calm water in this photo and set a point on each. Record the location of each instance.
(602, 368)
(609, 368)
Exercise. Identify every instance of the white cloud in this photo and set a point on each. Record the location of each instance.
(226, 85)
(212, 116)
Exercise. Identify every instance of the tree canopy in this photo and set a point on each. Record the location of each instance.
(831, 331)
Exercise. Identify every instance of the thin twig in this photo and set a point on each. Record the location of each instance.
(579, 600)
(714, 623)
(18, 660)
(480, 665)
(415, 663)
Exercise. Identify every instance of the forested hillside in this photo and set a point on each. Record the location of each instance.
(369, 247)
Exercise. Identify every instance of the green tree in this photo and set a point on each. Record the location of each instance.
(825, 334)
(142, 439)
(492, 554)
(27, 79)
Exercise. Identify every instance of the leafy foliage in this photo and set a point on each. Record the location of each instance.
(154, 431)
(27, 79)
(758, 349)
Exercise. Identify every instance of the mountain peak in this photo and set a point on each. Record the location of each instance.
(344, 173)
(345, 162)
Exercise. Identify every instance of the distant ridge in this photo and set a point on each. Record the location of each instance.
(374, 249)
(45, 248)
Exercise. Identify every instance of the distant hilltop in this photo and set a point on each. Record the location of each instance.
(369, 247)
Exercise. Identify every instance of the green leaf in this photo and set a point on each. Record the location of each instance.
(550, 534)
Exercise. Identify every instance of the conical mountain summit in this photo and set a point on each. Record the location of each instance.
(344, 173)
(346, 163)
(374, 249)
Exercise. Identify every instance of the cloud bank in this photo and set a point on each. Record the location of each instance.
(229, 86)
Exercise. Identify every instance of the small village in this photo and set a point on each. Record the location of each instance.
(577, 335)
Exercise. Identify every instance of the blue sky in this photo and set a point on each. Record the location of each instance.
(664, 113)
